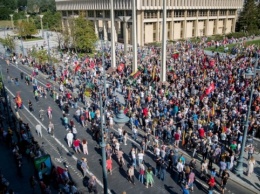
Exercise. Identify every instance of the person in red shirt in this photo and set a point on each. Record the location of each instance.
(177, 139)
(201, 133)
(76, 144)
(145, 112)
(211, 184)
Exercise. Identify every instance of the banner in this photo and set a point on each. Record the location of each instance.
(43, 165)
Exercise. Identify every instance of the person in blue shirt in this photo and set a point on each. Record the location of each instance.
(185, 190)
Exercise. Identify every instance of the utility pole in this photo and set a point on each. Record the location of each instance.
(164, 51)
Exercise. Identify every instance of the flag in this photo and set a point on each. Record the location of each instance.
(205, 74)
(154, 72)
(92, 64)
(77, 68)
(183, 138)
(213, 110)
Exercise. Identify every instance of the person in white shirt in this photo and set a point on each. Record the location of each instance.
(120, 135)
(134, 130)
(140, 157)
(69, 137)
(180, 167)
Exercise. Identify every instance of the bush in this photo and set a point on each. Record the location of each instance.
(236, 35)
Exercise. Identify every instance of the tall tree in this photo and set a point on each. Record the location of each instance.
(248, 19)
(83, 34)
(11, 4)
(8, 42)
(26, 29)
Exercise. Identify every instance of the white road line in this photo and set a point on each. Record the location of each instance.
(58, 141)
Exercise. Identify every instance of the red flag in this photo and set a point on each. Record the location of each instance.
(120, 67)
(210, 89)
(92, 64)
(77, 68)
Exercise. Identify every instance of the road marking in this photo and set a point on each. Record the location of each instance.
(57, 140)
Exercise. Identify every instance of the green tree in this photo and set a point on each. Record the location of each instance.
(248, 19)
(51, 20)
(33, 6)
(8, 42)
(5, 12)
(40, 55)
(10, 4)
(47, 5)
(83, 34)
(26, 29)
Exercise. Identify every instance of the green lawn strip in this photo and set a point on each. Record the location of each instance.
(230, 46)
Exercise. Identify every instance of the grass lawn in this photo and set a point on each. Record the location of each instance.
(230, 46)
(33, 38)
(5, 23)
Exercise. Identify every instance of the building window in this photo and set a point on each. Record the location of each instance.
(203, 13)
(150, 14)
(64, 13)
(99, 14)
(119, 13)
(128, 13)
(107, 14)
(91, 14)
(169, 25)
(169, 14)
(223, 12)
(154, 36)
(191, 13)
(232, 12)
(179, 13)
(168, 35)
(76, 12)
(213, 13)
(69, 13)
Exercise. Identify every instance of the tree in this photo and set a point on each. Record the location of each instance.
(33, 6)
(248, 19)
(41, 55)
(26, 29)
(52, 20)
(10, 4)
(83, 34)
(5, 12)
(8, 42)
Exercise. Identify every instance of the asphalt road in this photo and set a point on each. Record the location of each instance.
(57, 146)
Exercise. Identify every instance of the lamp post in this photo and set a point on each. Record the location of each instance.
(12, 21)
(27, 16)
(134, 36)
(125, 19)
(239, 167)
(41, 16)
(113, 51)
(102, 143)
(164, 51)
(22, 48)
(48, 42)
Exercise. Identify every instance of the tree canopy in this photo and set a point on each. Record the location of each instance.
(26, 29)
(249, 18)
(83, 34)
(8, 42)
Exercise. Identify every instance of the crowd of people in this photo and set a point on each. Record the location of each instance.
(201, 108)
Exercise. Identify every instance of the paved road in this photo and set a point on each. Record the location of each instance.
(57, 146)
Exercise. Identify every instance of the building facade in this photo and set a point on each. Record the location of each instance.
(185, 18)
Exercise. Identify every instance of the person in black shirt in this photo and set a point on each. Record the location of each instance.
(224, 178)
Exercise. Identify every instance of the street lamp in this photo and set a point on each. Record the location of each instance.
(27, 16)
(48, 42)
(102, 143)
(12, 21)
(249, 74)
(41, 16)
(125, 19)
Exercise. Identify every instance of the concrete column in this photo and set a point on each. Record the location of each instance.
(134, 36)
(164, 38)
(185, 25)
(197, 24)
(216, 26)
(112, 18)
(105, 30)
(41, 16)
(233, 27)
(12, 21)
(125, 19)
(207, 24)
(158, 27)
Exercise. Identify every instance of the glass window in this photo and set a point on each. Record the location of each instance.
(179, 13)
(91, 14)
(191, 13)
(107, 14)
